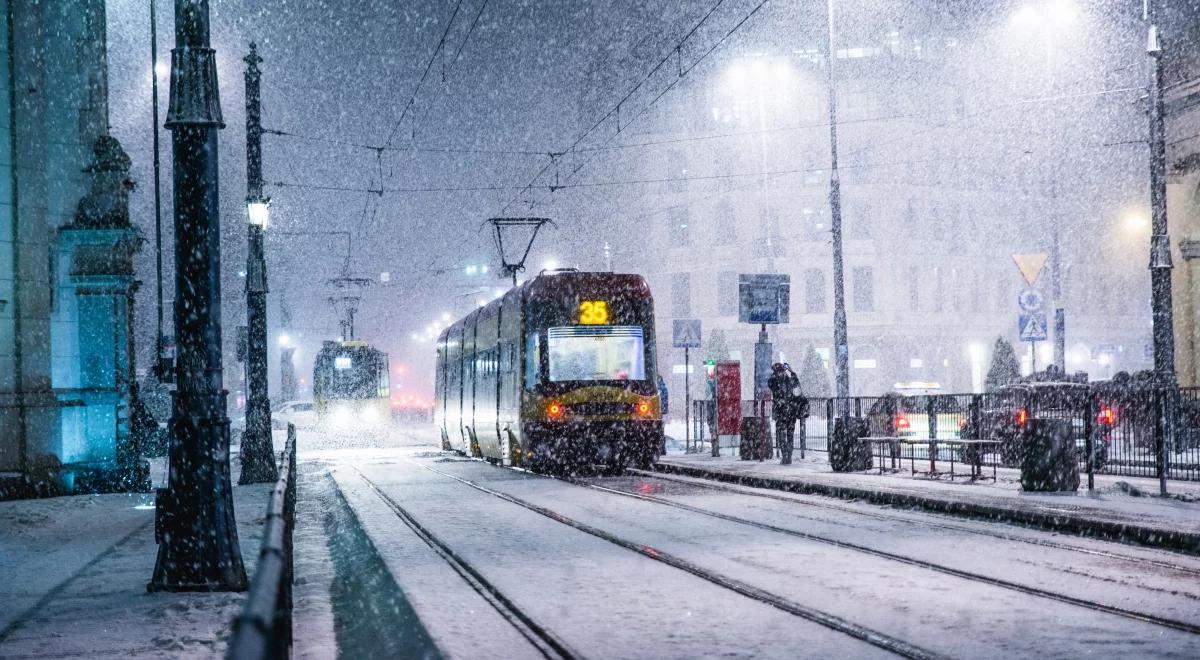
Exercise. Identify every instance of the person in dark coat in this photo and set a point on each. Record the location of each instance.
(784, 385)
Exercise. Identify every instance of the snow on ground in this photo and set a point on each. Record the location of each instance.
(949, 615)
(1110, 501)
(603, 601)
(76, 570)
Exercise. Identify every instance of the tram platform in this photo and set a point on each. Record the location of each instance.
(1124, 509)
(84, 561)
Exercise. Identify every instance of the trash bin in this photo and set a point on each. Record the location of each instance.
(754, 446)
(847, 450)
(1049, 460)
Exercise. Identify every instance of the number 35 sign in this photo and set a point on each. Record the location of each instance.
(593, 312)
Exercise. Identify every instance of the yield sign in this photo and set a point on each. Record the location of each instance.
(1030, 265)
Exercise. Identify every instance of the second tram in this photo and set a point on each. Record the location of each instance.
(351, 387)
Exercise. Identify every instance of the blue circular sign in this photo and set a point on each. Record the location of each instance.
(1031, 300)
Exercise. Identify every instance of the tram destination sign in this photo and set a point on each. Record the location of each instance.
(763, 298)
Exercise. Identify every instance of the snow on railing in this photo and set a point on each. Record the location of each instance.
(264, 627)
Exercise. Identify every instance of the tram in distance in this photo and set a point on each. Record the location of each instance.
(351, 388)
(558, 374)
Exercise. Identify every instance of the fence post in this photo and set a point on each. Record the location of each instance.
(1163, 432)
(977, 416)
(930, 412)
(1089, 418)
(828, 421)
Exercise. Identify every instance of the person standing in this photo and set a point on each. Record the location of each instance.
(783, 384)
(799, 409)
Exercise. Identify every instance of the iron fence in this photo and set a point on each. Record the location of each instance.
(1118, 430)
(264, 627)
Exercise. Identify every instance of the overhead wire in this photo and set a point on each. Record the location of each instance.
(615, 110)
(425, 74)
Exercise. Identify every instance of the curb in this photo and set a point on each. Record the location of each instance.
(1184, 542)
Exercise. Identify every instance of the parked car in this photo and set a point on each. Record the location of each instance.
(300, 413)
(1007, 411)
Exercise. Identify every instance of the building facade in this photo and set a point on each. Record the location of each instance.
(66, 246)
(946, 170)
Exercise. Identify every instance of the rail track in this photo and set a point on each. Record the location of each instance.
(862, 633)
(912, 561)
(546, 642)
(745, 490)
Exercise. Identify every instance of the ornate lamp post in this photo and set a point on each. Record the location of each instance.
(258, 461)
(198, 544)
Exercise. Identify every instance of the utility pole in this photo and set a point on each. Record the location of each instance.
(841, 360)
(162, 369)
(258, 454)
(195, 526)
(1160, 252)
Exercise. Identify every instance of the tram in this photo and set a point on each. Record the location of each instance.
(558, 374)
(350, 386)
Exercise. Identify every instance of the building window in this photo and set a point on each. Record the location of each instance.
(860, 222)
(864, 290)
(812, 226)
(725, 223)
(814, 291)
(939, 289)
(676, 171)
(727, 293)
(678, 221)
(681, 295)
(914, 289)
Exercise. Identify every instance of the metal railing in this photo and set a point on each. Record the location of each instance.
(1118, 430)
(264, 627)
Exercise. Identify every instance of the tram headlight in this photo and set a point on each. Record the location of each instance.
(342, 416)
(555, 410)
(370, 416)
(644, 408)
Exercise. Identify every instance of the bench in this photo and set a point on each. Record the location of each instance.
(972, 450)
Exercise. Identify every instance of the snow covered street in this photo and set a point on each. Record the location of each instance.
(485, 561)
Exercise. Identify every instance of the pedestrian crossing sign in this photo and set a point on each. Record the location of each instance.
(1032, 327)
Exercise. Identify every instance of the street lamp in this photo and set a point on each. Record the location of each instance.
(258, 212)
(258, 452)
(195, 526)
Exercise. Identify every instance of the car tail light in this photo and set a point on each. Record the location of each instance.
(555, 410)
(1022, 416)
(1106, 417)
(900, 422)
(644, 408)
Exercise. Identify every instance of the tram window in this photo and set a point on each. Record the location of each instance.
(531, 360)
(596, 353)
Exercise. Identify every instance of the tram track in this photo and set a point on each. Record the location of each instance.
(911, 561)
(911, 521)
(545, 641)
(862, 633)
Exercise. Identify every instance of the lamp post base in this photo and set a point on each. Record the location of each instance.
(194, 523)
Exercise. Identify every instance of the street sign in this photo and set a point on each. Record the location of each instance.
(1033, 327)
(763, 298)
(1031, 300)
(1030, 265)
(685, 333)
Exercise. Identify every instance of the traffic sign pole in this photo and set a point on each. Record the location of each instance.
(687, 401)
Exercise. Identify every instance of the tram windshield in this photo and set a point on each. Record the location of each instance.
(596, 353)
